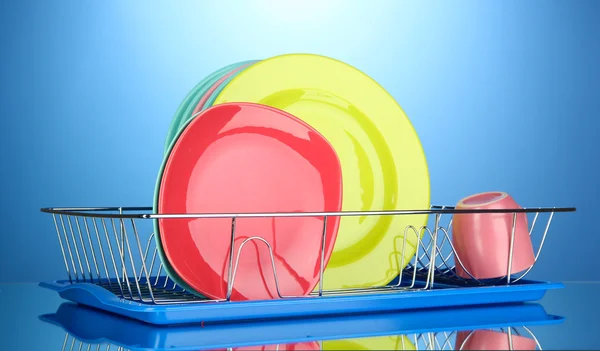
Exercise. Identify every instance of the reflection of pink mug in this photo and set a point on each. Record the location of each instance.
(492, 340)
(482, 240)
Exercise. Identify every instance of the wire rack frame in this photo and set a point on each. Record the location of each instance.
(446, 340)
(106, 246)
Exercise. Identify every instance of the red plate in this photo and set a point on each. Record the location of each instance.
(240, 158)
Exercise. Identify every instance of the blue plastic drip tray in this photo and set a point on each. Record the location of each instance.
(392, 300)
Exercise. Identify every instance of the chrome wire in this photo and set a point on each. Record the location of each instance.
(115, 249)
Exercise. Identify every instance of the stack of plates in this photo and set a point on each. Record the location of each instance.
(292, 133)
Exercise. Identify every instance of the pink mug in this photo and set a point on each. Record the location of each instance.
(492, 340)
(482, 240)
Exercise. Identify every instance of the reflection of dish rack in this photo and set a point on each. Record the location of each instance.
(110, 263)
(420, 341)
(444, 329)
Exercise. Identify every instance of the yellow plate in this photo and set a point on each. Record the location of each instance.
(383, 164)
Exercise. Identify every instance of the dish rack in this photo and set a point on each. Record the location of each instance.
(112, 264)
(433, 329)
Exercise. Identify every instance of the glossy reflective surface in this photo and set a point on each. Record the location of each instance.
(493, 340)
(388, 342)
(383, 164)
(236, 158)
(21, 305)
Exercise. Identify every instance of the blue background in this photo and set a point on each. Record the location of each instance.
(505, 96)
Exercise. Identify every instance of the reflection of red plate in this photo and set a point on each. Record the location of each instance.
(301, 346)
(244, 157)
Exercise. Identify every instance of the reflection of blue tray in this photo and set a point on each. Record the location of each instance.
(442, 296)
(92, 326)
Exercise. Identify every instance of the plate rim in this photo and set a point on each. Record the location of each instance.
(177, 121)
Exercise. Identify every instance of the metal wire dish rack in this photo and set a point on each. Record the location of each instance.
(112, 263)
